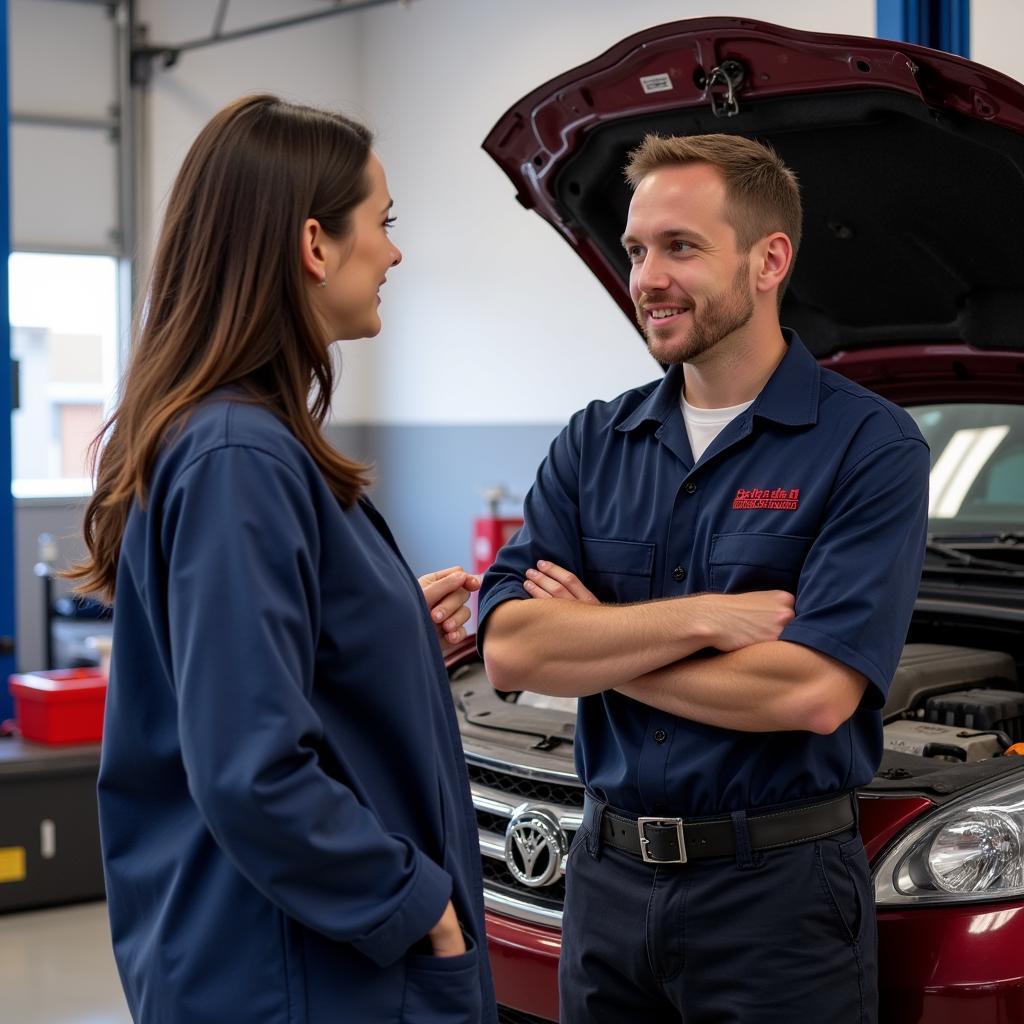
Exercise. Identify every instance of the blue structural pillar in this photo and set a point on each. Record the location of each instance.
(940, 24)
(6, 399)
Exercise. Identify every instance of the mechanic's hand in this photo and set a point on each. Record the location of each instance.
(447, 592)
(739, 620)
(446, 935)
(549, 580)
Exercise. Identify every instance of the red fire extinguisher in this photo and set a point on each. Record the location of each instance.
(492, 530)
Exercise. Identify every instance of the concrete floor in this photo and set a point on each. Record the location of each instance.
(56, 967)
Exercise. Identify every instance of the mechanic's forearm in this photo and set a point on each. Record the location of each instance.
(766, 687)
(571, 649)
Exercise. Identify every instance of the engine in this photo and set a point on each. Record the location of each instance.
(954, 703)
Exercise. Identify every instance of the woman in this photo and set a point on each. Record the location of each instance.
(287, 829)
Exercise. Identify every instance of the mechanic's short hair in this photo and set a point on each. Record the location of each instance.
(762, 194)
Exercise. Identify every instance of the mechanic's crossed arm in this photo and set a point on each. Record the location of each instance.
(566, 642)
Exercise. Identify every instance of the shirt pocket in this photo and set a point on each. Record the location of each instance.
(741, 562)
(618, 571)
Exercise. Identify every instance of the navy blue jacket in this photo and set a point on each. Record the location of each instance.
(819, 488)
(283, 800)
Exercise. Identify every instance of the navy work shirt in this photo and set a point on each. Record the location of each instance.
(283, 798)
(818, 488)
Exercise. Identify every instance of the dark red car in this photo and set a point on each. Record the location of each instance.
(910, 280)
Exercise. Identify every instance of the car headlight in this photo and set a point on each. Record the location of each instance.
(972, 851)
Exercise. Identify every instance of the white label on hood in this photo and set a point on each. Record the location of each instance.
(656, 83)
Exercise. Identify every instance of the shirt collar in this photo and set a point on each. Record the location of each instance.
(790, 396)
(793, 390)
(658, 405)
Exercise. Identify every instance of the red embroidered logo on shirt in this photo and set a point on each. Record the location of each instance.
(785, 498)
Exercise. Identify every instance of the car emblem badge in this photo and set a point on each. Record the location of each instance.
(535, 846)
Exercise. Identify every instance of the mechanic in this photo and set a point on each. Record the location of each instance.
(286, 820)
(722, 565)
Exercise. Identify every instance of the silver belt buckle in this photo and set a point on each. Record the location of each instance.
(677, 823)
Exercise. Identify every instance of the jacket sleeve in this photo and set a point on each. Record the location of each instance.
(551, 527)
(241, 541)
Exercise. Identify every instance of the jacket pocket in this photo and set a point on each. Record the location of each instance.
(618, 571)
(443, 989)
(756, 561)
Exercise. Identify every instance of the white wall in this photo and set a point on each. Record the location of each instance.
(316, 63)
(997, 31)
(491, 318)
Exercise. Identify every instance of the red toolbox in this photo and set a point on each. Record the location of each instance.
(60, 706)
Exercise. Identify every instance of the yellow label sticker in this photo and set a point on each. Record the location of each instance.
(12, 864)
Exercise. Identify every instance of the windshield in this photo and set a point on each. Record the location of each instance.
(977, 474)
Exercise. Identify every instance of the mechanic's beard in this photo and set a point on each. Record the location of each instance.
(723, 314)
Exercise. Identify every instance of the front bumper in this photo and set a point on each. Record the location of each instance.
(941, 965)
(524, 961)
(948, 965)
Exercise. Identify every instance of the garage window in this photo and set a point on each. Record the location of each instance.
(64, 335)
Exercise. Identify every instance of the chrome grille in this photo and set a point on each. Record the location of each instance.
(534, 790)
(488, 822)
(551, 896)
(498, 794)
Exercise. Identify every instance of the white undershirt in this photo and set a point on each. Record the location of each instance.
(704, 425)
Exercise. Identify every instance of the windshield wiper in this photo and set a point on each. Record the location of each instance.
(1009, 537)
(933, 547)
(958, 557)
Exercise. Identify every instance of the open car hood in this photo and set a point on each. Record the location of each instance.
(911, 164)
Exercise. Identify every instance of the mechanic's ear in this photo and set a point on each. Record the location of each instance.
(775, 258)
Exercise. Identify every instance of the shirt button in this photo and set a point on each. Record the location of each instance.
(679, 574)
(690, 487)
(660, 735)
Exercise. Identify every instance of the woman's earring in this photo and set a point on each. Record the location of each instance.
(323, 283)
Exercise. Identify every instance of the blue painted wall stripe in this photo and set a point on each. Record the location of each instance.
(429, 479)
(7, 613)
(940, 24)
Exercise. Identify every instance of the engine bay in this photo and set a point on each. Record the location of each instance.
(947, 705)
(954, 703)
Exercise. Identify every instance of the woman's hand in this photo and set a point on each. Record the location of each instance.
(552, 581)
(447, 592)
(446, 935)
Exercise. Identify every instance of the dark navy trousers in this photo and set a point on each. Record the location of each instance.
(775, 937)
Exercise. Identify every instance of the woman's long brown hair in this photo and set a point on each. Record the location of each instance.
(227, 303)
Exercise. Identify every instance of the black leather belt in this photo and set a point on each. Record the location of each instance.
(678, 840)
